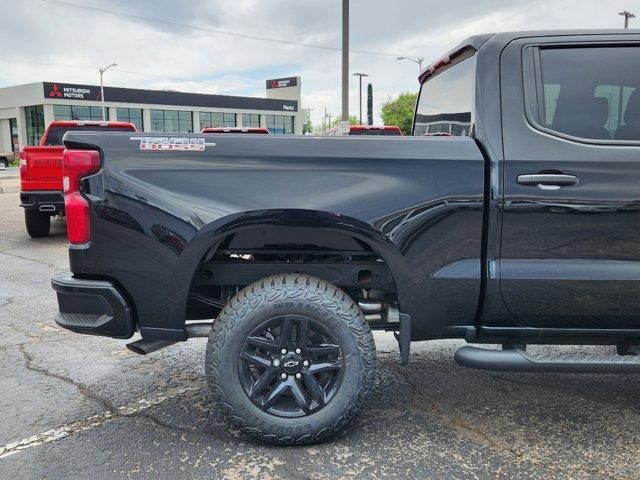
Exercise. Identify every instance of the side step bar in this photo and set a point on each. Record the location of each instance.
(517, 360)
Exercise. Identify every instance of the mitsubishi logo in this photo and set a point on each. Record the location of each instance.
(55, 91)
(290, 363)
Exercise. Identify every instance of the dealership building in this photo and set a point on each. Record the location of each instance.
(26, 110)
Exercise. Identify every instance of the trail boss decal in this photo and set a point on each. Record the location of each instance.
(173, 143)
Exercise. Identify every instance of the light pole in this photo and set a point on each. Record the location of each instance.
(627, 16)
(308, 123)
(102, 70)
(360, 75)
(324, 120)
(417, 60)
(345, 60)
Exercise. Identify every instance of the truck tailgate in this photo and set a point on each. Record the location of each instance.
(43, 168)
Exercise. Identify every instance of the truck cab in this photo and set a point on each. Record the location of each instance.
(41, 193)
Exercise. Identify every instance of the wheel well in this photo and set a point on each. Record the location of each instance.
(244, 257)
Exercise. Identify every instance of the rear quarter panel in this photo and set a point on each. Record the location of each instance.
(417, 201)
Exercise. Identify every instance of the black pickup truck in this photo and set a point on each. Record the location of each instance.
(510, 217)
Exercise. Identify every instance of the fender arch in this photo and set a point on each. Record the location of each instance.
(212, 234)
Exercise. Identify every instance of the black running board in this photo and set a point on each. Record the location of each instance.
(516, 360)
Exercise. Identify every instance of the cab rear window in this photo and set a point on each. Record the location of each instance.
(446, 101)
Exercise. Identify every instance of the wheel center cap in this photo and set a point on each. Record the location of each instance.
(291, 363)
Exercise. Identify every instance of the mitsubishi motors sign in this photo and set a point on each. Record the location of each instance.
(282, 83)
(74, 92)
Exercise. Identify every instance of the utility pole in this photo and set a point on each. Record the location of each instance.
(345, 60)
(360, 75)
(102, 70)
(308, 123)
(627, 16)
(324, 120)
(417, 60)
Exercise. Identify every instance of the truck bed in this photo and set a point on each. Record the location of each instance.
(417, 202)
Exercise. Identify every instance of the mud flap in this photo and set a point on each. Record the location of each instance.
(404, 338)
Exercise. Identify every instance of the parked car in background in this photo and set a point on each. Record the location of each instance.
(5, 159)
(255, 130)
(41, 192)
(378, 130)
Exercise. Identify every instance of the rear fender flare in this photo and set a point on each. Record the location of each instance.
(213, 233)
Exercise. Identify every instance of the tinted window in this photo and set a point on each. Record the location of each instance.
(217, 119)
(592, 92)
(77, 112)
(171, 121)
(446, 101)
(34, 117)
(131, 115)
(280, 124)
(250, 120)
(56, 133)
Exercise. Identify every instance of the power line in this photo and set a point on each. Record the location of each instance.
(132, 16)
(92, 67)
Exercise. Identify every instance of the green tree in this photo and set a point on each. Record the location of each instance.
(353, 120)
(400, 111)
(307, 128)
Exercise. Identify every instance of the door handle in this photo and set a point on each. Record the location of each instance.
(548, 180)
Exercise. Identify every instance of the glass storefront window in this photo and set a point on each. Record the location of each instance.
(217, 119)
(77, 112)
(250, 120)
(131, 115)
(280, 124)
(34, 117)
(171, 121)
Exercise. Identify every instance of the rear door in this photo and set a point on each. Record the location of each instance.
(570, 247)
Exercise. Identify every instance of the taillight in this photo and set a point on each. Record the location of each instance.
(24, 171)
(76, 165)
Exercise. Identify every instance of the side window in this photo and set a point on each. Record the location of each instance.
(446, 101)
(591, 92)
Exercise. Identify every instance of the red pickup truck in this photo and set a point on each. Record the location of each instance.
(41, 192)
(379, 130)
(255, 130)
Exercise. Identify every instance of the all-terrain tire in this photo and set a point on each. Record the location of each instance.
(38, 223)
(291, 294)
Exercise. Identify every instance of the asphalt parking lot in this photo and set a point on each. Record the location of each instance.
(85, 407)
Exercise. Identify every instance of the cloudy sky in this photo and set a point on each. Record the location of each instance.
(215, 46)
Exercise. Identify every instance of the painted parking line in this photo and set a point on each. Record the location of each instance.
(90, 422)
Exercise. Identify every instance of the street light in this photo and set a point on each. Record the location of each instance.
(627, 16)
(102, 70)
(417, 60)
(360, 75)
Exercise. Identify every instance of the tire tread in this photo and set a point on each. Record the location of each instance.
(292, 286)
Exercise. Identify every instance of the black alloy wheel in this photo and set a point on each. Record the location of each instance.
(290, 366)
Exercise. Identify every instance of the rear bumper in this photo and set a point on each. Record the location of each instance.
(43, 201)
(94, 307)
